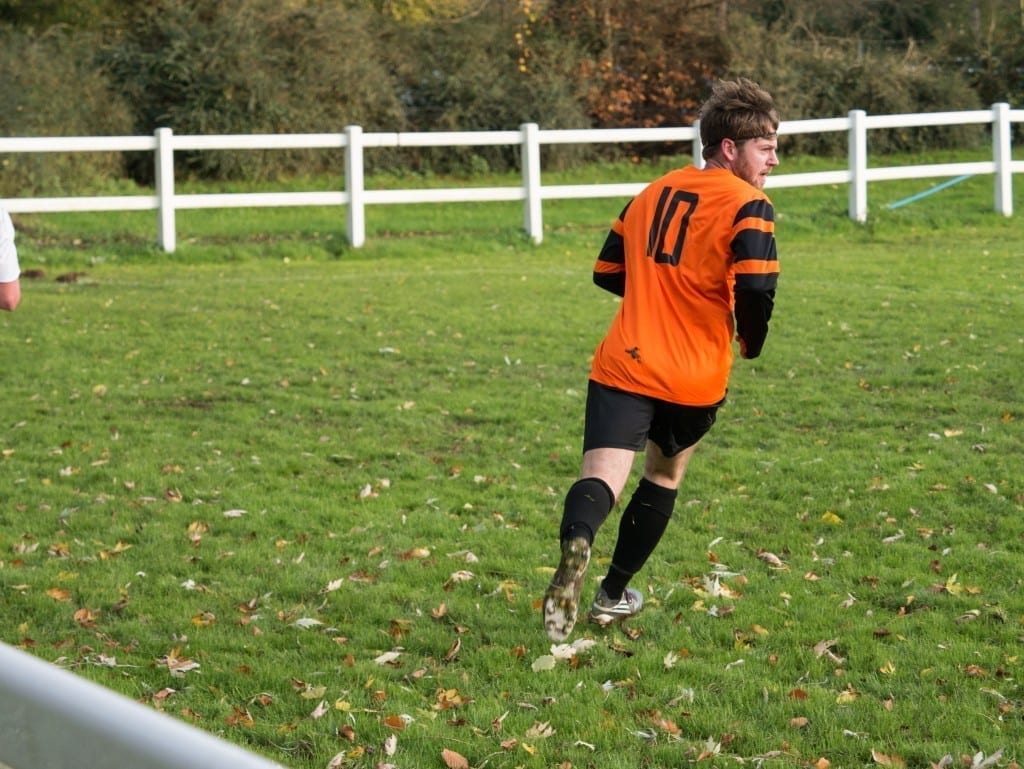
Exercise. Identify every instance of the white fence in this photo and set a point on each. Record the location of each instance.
(53, 719)
(529, 138)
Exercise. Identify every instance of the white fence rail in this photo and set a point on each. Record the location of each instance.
(530, 138)
(53, 719)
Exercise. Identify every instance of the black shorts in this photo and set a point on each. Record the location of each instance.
(616, 419)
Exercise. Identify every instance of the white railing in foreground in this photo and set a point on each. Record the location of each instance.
(53, 719)
(529, 138)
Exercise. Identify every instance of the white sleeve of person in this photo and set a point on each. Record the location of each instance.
(9, 269)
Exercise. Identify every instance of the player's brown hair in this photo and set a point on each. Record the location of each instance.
(737, 109)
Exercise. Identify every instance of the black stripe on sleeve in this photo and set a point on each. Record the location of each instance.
(612, 252)
(754, 244)
(756, 209)
(614, 249)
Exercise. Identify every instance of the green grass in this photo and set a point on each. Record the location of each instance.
(394, 417)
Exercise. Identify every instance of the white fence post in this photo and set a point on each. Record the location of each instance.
(355, 184)
(1003, 157)
(533, 221)
(165, 227)
(698, 146)
(858, 158)
(53, 719)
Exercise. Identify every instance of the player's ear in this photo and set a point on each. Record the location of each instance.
(729, 149)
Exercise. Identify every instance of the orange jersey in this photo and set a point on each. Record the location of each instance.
(680, 251)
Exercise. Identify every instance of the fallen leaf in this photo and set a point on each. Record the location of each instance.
(823, 646)
(847, 696)
(397, 722)
(240, 717)
(86, 617)
(544, 662)
(771, 559)
(414, 553)
(332, 586)
(388, 658)
(886, 760)
(665, 724)
(454, 760)
(453, 652)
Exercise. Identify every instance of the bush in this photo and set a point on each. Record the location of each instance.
(248, 67)
(51, 87)
(469, 76)
(828, 78)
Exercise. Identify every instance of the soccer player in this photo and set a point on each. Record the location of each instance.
(10, 287)
(693, 257)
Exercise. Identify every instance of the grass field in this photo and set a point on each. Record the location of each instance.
(306, 498)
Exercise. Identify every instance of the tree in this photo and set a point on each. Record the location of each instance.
(253, 66)
(988, 50)
(646, 64)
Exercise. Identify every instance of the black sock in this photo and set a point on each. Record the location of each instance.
(587, 504)
(642, 525)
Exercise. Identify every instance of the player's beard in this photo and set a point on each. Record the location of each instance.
(748, 171)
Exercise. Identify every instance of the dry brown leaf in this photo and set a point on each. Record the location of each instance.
(665, 724)
(847, 696)
(414, 553)
(884, 759)
(240, 717)
(86, 617)
(454, 760)
(453, 652)
(772, 560)
(823, 646)
(540, 730)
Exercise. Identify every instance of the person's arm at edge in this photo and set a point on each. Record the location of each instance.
(10, 295)
(10, 286)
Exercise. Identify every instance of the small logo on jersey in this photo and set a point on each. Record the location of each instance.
(634, 353)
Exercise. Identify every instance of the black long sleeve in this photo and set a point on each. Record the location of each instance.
(613, 255)
(753, 311)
